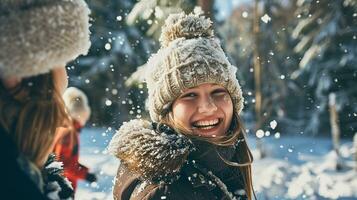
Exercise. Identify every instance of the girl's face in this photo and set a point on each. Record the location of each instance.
(207, 110)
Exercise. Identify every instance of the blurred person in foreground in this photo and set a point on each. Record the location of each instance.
(37, 39)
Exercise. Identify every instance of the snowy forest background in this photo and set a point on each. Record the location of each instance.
(297, 65)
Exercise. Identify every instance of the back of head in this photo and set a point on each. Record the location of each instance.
(37, 36)
(30, 113)
(77, 105)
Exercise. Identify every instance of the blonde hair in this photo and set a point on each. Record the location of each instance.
(30, 114)
(235, 133)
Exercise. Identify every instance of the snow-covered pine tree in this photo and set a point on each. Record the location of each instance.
(275, 56)
(154, 13)
(115, 52)
(265, 61)
(327, 42)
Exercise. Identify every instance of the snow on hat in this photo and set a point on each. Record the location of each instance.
(38, 35)
(77, 104)
(190, 55)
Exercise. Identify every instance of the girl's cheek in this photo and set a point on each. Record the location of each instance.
(224, 101)
(223, 98)
(227, 98)
(189, 104)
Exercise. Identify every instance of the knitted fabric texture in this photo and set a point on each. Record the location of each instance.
(77, 104)
(190, 55)
(39, 35)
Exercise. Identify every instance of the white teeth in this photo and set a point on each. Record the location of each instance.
(206, 127)
(207, 123)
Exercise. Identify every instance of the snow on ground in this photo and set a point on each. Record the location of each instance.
(295, 168)
(93, 154)
(304, 168)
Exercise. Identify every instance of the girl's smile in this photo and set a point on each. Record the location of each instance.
(207, 128)
(206, 110)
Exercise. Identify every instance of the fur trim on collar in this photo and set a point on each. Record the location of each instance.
(155, 154)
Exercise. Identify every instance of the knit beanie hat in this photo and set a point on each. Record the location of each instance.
(77, 104)
(189, 56)
(38, 35)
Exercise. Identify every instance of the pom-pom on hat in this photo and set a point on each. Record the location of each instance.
(189, 56)
(77, 104)
(38, 35)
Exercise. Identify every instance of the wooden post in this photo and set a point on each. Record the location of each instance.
(355, 149)
(257, 78)
(335, 129)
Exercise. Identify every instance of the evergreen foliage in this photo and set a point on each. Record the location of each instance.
(326, 33)
(117, 49)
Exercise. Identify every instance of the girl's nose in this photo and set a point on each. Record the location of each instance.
(207, 105)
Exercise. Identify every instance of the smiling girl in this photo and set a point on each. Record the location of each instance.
(195, 148)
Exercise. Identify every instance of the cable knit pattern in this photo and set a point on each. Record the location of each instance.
(186, 26)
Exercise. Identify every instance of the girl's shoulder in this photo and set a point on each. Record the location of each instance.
(154, 153)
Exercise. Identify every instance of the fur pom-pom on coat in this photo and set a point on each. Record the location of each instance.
(155, 156)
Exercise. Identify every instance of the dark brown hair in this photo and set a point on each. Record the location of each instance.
(30, 114)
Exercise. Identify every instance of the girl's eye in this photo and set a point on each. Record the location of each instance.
(219, 92)
(188, 96)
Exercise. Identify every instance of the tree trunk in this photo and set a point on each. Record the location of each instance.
(355, 149)
(335, 129)
(257, 79)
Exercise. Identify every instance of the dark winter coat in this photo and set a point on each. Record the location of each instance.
(22, 180)
(67, 151)
(15, 183)
(157, 163)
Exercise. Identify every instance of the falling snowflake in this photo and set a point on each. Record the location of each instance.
(107, 46)
(273, 124)
(114, 91)
(108, 102)
(265, 18)
(245, 14)
(267, 133)
(260, 133)
(277, 135)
